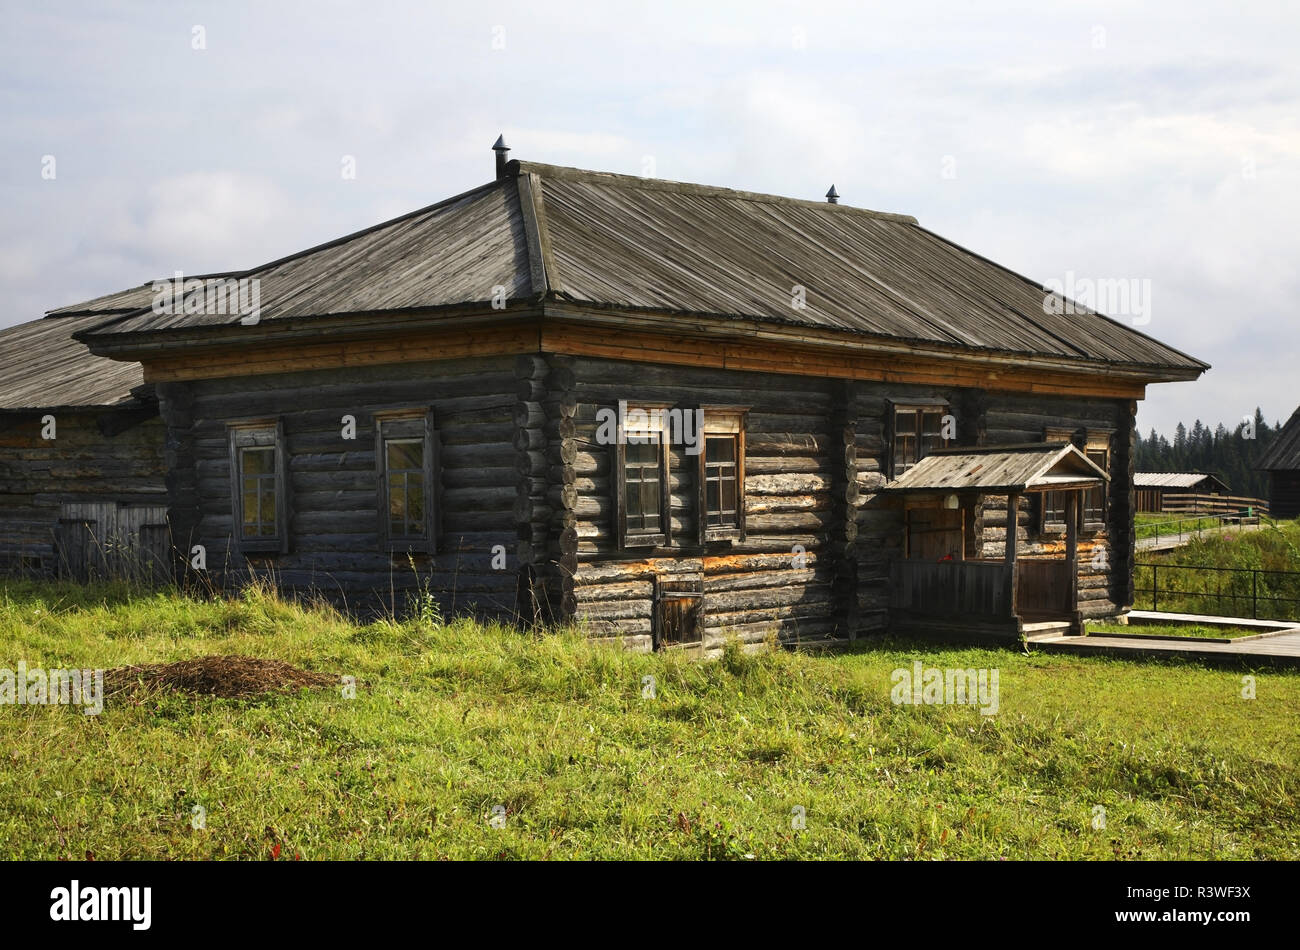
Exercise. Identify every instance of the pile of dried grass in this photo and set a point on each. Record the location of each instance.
(223, 676)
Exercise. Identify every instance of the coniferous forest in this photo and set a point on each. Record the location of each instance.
(1228, 453)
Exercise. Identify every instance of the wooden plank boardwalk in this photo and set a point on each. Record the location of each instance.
(1169, 542)
(1279, 649)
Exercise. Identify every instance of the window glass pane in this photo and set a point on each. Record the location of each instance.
(729, 500)
(258, 461)
(650, 503)
(415, 506)
(643, 454)
(405, 454)
(720, 449)
(268, 507)
(250, 501)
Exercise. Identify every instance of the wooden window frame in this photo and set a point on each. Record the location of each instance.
(1097, 440)
(259, 433)
(635, 539)
(721, 421)
(404, 425)
(920, 407)
(1068, 435)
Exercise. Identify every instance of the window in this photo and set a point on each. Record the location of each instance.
(722, 475)
(259, 486)
(917, 431)
(679, 611)
(1097, 448)
(1095, 444)
(1054, 503)
(643, 487)
(642, 498)
(405, 453)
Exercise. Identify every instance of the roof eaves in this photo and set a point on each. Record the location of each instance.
(1203, 366)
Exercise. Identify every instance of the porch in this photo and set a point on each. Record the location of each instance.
(942, 588)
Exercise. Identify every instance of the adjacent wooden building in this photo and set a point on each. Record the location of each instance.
(666, 411)
(1152, 488)
(1282, 462)
(82, 490)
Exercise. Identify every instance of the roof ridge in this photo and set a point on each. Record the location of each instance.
(567, 173)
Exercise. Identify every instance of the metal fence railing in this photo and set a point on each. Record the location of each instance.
(1185, 527)
(1223, 591)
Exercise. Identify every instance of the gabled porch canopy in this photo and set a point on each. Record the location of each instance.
(961, 590)
(1001, 470)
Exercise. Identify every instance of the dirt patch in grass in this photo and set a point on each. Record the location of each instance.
(227, 677)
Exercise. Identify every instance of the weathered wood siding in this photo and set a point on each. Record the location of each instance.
(1284, 494)
(104, 470)
(521, 466)
(779, 579)
(335, 547)
(816, 561)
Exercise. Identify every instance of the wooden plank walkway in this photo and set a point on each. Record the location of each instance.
(1169, 542)
(1280, 650)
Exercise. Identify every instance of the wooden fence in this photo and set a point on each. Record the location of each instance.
(1193, 504)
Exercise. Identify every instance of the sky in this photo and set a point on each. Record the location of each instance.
(1151, 146)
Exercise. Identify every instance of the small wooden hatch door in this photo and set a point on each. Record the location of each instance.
(678, 612)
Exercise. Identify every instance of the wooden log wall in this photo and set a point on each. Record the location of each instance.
(335, 547)
(520, 466)
(1284, 494)
(781, 578)
(879, 521)
(111, 457)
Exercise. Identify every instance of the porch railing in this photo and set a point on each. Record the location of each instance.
(953, 588)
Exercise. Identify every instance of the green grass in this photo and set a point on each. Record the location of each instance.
(454, 720)
(1173, 630)
(1273, 549)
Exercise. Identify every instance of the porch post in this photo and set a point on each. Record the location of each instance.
(1072, 551)
(1013, 521)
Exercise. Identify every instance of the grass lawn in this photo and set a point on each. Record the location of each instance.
(1150, 524)
(1173, 630)
(451, 722)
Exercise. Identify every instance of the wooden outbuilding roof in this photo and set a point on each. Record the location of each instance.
(671, 251)
(1175, 479)
(43, 367)
(999, 469)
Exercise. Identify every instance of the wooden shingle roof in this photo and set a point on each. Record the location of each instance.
(130, 300)
(1174, 479)
(43, 367)
(1284, 453)
(673, 250)
(1000, 468)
